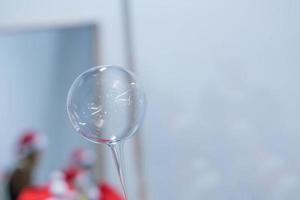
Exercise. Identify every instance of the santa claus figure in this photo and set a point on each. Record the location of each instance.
(79, 175)
(29, 148)
(75, 182)
(57, 189)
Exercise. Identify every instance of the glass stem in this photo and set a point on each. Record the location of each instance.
(117, 151)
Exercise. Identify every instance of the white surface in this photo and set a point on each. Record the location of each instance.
(34, 13)
(222, 80)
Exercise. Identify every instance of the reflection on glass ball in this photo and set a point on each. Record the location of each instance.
(106, 104)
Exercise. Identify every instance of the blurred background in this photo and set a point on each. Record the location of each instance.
(222, 86)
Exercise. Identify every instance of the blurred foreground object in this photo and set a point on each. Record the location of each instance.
(56, 189)
(79, 175)
(29, 148)
(75, 182)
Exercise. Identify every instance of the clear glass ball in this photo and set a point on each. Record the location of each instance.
(106, 104)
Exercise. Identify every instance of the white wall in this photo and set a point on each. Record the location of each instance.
(34, 12)
(221, 79)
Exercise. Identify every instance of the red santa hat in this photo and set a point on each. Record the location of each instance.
(82, 158)
(80, 161)
(29, 142)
